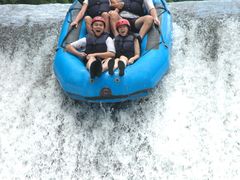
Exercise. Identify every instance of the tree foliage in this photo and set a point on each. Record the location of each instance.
(48, 1)
(33, 1)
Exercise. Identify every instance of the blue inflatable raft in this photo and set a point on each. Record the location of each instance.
(139, 79)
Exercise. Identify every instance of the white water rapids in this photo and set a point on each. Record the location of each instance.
(187, 129)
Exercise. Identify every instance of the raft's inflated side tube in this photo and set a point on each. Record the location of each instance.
(139, 78)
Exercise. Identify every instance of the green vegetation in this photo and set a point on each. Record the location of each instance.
(33, 1)
(48, 1)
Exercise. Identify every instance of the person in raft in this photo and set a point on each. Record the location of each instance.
(127, 48)
(93, 8)
(99, 48)
(133, 11)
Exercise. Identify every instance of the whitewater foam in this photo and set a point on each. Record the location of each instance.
(187, 129)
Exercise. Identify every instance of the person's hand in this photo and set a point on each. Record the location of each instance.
(118, 5)
(82, 54)
(156, 21)
(90, 56)
(116, 10)
(74, 24)
(130, 61)
(113, 12)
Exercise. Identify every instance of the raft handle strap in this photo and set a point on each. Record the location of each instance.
(160, 42)
(164, 10)
(70, 14)
(151, 48)
(164, 5)
(160, 32)
(71, 28)
(69, 31)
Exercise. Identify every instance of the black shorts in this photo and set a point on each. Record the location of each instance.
(132, 24)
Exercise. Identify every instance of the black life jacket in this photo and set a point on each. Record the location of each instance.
(134, 6)
(97, 7)
(96, 44)
(124, 45)
(81, 1)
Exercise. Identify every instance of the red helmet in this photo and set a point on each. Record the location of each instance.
(98, 18)
(122, 22)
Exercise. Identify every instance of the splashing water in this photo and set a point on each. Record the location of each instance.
(189, 128)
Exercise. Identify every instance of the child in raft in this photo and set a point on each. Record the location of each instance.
(99, 48)
(127, 48)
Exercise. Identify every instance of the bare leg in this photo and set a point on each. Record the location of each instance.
(124, 59)
(116, 63)
(105, 64)
(90, 61)
(88, 21)
(144, 23)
